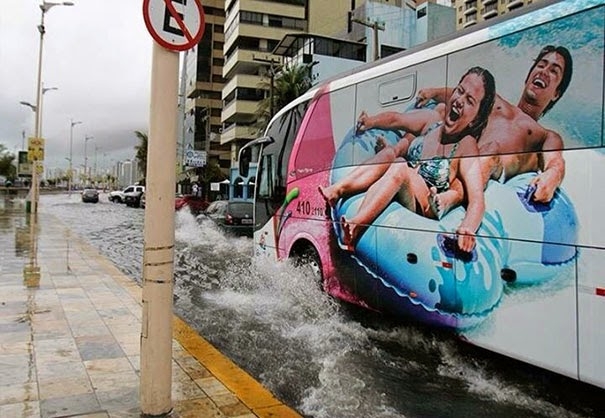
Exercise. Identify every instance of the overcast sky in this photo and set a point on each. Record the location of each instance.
(98, 54)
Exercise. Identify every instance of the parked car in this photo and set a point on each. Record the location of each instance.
(117, 196)
(90, 196)
(196, 204)
(232, 216)
(133, 198)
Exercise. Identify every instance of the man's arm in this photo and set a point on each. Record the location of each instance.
(553, 166)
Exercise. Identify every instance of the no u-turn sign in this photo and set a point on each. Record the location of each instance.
(177, 25)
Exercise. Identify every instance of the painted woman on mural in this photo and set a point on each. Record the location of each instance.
(431, 159)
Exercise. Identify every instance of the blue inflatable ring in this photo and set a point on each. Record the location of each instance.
(416, 264)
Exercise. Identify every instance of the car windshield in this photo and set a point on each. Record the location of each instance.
(240, 209)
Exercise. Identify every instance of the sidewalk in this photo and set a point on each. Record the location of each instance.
(70, 325)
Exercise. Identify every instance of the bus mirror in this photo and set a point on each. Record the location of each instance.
(245, 155)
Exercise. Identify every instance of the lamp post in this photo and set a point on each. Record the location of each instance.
(94, 170)
(86, 139)
(44, 7)
(71, 146)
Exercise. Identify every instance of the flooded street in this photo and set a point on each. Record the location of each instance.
(324, 358)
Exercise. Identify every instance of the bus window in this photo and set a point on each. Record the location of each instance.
(265, 177)
(398, 90)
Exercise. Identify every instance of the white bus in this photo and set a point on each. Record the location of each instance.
(479, 210)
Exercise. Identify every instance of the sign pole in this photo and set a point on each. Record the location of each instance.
(175, 25)
(158, 253)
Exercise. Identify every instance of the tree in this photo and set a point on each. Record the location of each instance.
(288, 85)
(141, 150)
(7, 168)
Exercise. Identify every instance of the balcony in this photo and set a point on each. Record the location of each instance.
(241, 108)
(513, 4)
(238, 132)
(490, 12)
(470, 9)
(470, 21)
(243, 80)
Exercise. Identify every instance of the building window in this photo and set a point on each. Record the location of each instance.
(421, 13)
(251, 17)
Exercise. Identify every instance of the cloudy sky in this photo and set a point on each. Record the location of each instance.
(97, 53)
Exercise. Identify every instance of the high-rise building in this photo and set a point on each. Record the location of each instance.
(253, 28)
(230, 71)
(470, 12)
(203, 80)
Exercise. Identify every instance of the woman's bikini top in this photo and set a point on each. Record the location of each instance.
(435, 171)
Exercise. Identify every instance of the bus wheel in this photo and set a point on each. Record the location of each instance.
(307, 257)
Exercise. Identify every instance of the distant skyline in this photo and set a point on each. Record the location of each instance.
(97, 54)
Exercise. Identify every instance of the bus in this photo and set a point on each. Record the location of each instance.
(456, 184)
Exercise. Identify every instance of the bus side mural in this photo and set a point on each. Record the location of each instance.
(458, 185)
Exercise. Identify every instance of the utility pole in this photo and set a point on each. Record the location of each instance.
(272, 70)
(376, 26)
(86, 139)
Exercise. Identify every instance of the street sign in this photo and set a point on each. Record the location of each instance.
(24, 167)
(176, 25)
(35, 149)
(195, 158)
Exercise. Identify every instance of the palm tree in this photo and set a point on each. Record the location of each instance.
(7, 168)
(141, 150)
(288, 85)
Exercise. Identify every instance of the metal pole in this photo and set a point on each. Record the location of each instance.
(86, 139)
(34, 187)
(71, 146)
(158, 252)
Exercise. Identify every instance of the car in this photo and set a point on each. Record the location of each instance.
(132, 197)
(90, 196)
(232, 216)
(196, 204)
(142, 200)
(117, 196)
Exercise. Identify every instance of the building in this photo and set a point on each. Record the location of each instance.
(202, 83)
(230, 71)
(127, 173)
(357, 27)
(253, 28)
(470, 12)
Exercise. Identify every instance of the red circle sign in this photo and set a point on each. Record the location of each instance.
(177, 25)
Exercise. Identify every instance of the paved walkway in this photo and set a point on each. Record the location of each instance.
(70, 325)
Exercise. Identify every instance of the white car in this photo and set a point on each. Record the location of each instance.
(117, 196)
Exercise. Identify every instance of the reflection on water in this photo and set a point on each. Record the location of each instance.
(31, 270)
(325, 358)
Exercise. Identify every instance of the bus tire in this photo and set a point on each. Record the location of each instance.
(307, 256)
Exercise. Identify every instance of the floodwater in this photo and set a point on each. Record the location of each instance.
(324, 358)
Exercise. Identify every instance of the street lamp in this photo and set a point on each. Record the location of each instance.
(71, 146)
(34, 108)
(44, 7)
(44, 90)
(86, 139)
(28, 104)
(95, 164)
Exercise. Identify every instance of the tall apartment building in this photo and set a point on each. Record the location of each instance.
(228, 73)
(204, 82)
(253, 28)
(400, 24)
(470, 12)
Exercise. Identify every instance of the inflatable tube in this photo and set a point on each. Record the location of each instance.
(542, 237)
(415, 260)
